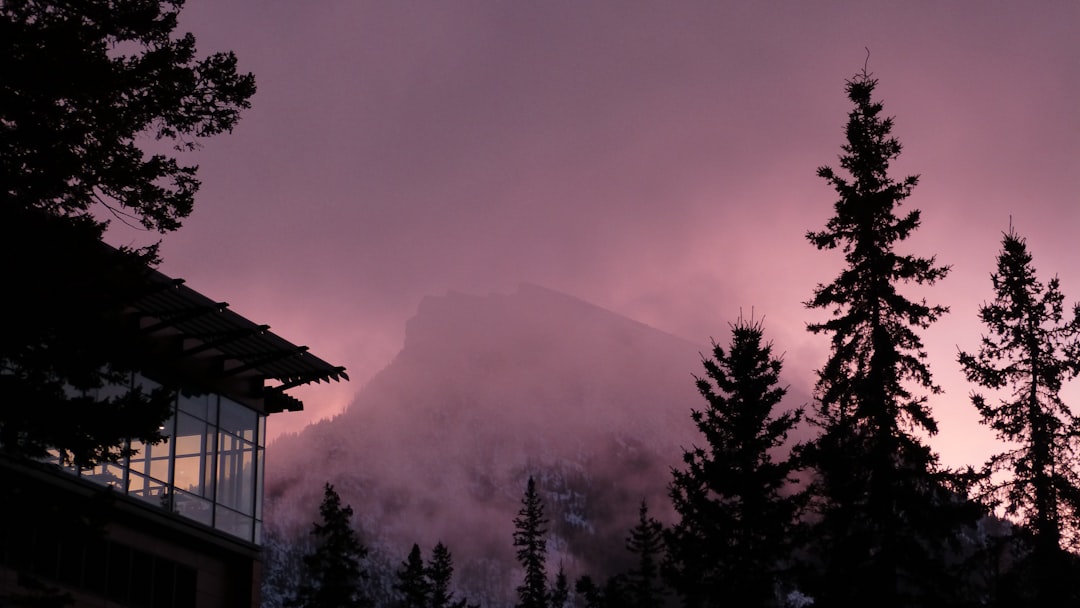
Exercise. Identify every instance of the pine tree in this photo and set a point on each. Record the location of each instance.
(612, 595)
(413, 581)
(531, 542)
(735, 518)
(440, 571)
(884, 508)
(333, 576)
(560, 591)
(1030, 351)
(646, 542)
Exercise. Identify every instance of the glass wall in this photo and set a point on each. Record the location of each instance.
(209, 469)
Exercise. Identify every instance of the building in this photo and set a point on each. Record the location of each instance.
(177, 525)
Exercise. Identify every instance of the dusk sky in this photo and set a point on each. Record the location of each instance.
(655, 158)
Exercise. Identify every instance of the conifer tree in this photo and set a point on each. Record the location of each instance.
(560, 591)
(413, 582)
(734, 516)
(646, 542)
(1031, 350)
(117, 71)
(81, 83)
(333, 576)
(879, 488)
(440, 571)
(611, 595)
(530, 538)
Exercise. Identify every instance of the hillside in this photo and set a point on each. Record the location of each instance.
(487, 391)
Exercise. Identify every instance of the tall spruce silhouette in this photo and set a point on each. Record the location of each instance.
(530, 538)
(333, 577)
(644, 586)
(1030, 351)
(412, 581)
(440, 573)
(884, 510)
(735, 519)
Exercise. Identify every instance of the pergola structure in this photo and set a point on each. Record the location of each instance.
(178, 523)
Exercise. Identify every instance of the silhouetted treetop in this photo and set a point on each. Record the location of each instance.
(84, 84)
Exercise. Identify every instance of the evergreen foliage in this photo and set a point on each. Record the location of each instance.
(413, 582)
(735, 519)
(66, 347)
(646, 542)
(560, 591)
(883, 500)
(1030, 351)
(440, 571)
(530, 538)
(333, 574)
(81, 82)
(611, 595)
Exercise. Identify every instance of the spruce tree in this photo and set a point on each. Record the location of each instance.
(560, 591)
(440, 571)
(412, 581)
(332, 571)
(735, 517)
(530, 538)
(884, 508)
(1031, 350)
(646, 543)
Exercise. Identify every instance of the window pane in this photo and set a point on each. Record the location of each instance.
(152, 460)
(106, 474)
(234, 523)
(259, 475)
(194, 455)
(236, 474)
(198, 405)
(237, 419)
(194, 507)
(148, 489)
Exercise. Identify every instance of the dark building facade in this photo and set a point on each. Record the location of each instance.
(178, 524)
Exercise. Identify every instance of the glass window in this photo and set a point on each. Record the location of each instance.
(146, 488)
(202, 406)
(236, 474)
(106, 474)
(152, 459)
(194, 467)
(209, 468)
(259, 456)
(194, 507)
(238, 419)
(234, 523)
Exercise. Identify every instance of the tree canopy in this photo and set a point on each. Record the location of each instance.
(1030, 350)
(883, 499)
(735, 511)
(530, 538)
(86, 87)
(333, 574)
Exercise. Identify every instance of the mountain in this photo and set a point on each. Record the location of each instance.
(487, 391)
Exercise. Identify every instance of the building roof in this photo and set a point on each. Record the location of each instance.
(210, 328)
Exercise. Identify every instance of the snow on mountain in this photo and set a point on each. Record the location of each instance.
(487, 391)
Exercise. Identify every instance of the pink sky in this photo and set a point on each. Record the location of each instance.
(655, 158)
